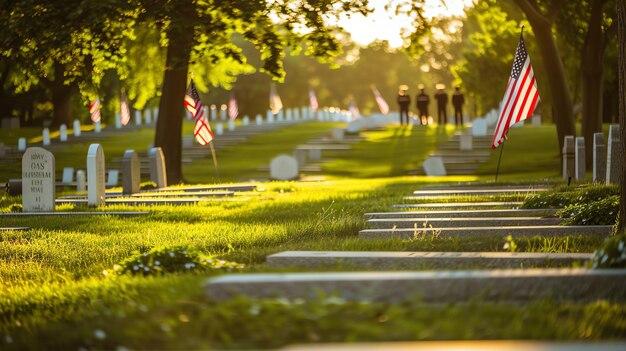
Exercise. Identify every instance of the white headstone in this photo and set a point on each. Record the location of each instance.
(466, 119)
(479, 127)
(614, 157)
(148, 116)
(231, 125)
(131, 176)
(97, 127)
(46, 136)
(76, 128)
(138, 117)
(466, 142)
(245, 121)
(284, 167)
(68, 175)
(213, 113)
(288, 114)
(81, 182)
(259, 120)
(21, 144)
(536, 121)
(338, 133)
(158, 173)
(219, 129)
(223, 113)
(433, 166)
(270, 117)
(354, 127)
(38, 180)
(315, 154)
(63, 133)
(296, 114)
(95, 175)
(155, 114)
(118, 121)
(599, 158)
(281, 116)
(580, 158)
(113, 177)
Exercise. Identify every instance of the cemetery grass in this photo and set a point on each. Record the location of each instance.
(53, 276)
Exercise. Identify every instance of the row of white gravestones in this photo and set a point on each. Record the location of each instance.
(284, 167)
(606, 167)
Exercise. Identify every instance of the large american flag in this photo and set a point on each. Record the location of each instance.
(382, 104)
(94, 109)
(233, 109)
(202, 129)
(313, 100)
(521, 95)
(124, 110)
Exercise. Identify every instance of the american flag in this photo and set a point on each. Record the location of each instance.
(124, 110)
(313, 99)
(521, 95)
(94, 109)
(382, 104)
(276, 104)
(202, 130)
(233, 109)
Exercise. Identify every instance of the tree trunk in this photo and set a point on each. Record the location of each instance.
(621, 66)
(61, 98)
(592, 65)
(171, 111)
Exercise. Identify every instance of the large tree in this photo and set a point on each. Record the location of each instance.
(621, 38)
(542, 16)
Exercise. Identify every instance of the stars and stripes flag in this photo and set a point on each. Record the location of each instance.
(382, 104)
(124, 110)
(233, 108)
(94, 109)
(521, 96)
(202, 129)
(313, 100)
(276, 104)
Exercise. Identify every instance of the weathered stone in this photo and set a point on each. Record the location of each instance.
(131, 173)
(614, 157)
(95, 175)
(433, 166)
(430, 286)
(81, 180)
(599, 158)
(569, 163)
(38, 180)
(580, 158)
(284, 167)
(158, 174)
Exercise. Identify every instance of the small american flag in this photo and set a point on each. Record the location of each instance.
(382, 104)
(521, 95)
(124, 110)
(94, 109)
(313, 100)
(202, 130)
(233, 109)
(276, 104)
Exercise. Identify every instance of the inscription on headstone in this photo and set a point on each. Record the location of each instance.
(95, 175)
(599, 158)
(614, 157)
(157, 167)
(38, 180)
(580, 158)
(131, 173)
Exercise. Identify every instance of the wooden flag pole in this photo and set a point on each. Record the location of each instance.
(217, 173)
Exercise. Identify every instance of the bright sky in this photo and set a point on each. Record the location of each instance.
(384, 24)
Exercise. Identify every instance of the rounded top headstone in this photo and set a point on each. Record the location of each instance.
(284, 167)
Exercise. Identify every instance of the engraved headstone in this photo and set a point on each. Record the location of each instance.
(246, 120)
(81, 180)
(259, 120)
(433, 166)
(569, 167)
(113, 177)
(580, 158)
(63, 133)
(614, 157)
(219, 129)
(45, 134)
(157, 167)
(118, 121)
(599, 158)
(38, 180)
(97, 127)
(284, 167)
(68, 175)
(479, 127)
(21, 144)
(76, 128)
(466, 142)
(338, 133)
(131, 173)
(231, 125)
(95, 175)
(138, 117)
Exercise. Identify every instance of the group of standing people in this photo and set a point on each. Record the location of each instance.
(422, 102)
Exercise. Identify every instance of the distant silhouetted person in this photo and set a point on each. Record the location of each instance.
(442, 101)
(404, 101)
(422, 106)
(457, 102)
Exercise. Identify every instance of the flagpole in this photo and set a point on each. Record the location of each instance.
(217, 173)
(500, 157)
